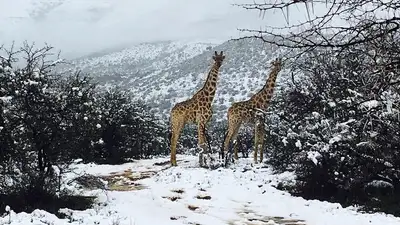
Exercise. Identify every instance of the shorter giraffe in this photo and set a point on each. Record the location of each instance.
(252, 111)
(196, 110)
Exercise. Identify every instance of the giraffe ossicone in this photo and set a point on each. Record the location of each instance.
(196, 110)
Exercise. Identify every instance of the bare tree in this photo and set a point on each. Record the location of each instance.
(360, 16)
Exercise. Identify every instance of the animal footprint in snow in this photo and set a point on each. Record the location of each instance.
(194, 223)
(184, 218)
(172, 198)
(192, 207)
(177, 217)
(203, 197)
(179, 191)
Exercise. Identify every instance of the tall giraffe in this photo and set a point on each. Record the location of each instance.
(196, 110)
(251, 111)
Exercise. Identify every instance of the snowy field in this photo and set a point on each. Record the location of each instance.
(243, 194)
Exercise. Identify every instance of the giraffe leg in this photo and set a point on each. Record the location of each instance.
(202, 141)
(233, 128)
(261, 141)
(255, 145)
(236, 148)
(258, 140)
(177, 126)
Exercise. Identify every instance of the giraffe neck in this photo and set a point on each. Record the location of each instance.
(210, 86)
(264, 96)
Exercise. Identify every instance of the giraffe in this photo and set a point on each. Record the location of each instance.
(196, 110)
(251, 111)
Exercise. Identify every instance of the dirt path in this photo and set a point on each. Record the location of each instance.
(129, 180)
(249, 217)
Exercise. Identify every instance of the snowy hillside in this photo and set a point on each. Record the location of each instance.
(164, 73)
(191, 195)
(126, 66)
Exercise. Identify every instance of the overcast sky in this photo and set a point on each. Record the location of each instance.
(82, 26)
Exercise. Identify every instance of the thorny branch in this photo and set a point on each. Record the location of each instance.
(318, 31)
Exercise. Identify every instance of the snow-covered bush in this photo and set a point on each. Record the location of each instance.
(338, 125)
(33, 122)
(47, 120)
(127, 129)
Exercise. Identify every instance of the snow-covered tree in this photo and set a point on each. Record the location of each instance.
(47, 120)
(338, 124)
(128, 130)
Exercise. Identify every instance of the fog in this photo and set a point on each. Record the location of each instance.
(79, 27)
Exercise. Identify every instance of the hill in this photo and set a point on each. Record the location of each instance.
(163, 73)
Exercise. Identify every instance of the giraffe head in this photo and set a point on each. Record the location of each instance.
(277, 64)
(219, 58)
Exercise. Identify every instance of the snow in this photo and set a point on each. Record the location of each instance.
(332, 104)
(5, 99)
(242, 194)
(370, 104)
(336, 138)
(284, 141)
(178, 50)
(313, 156)
(58, 61)
(316, 115)
(380, 183)
(298, 144)
(345, 124)
(31, 82)
(355, 93)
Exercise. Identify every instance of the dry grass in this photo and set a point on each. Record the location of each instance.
(259, 219)
(125, 181)
(126, 187)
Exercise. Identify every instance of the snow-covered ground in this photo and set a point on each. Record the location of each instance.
(243, 194)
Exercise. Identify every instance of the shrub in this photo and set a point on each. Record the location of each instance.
(33, 124)
(127, 129)
(338, 127)
(48, 120)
